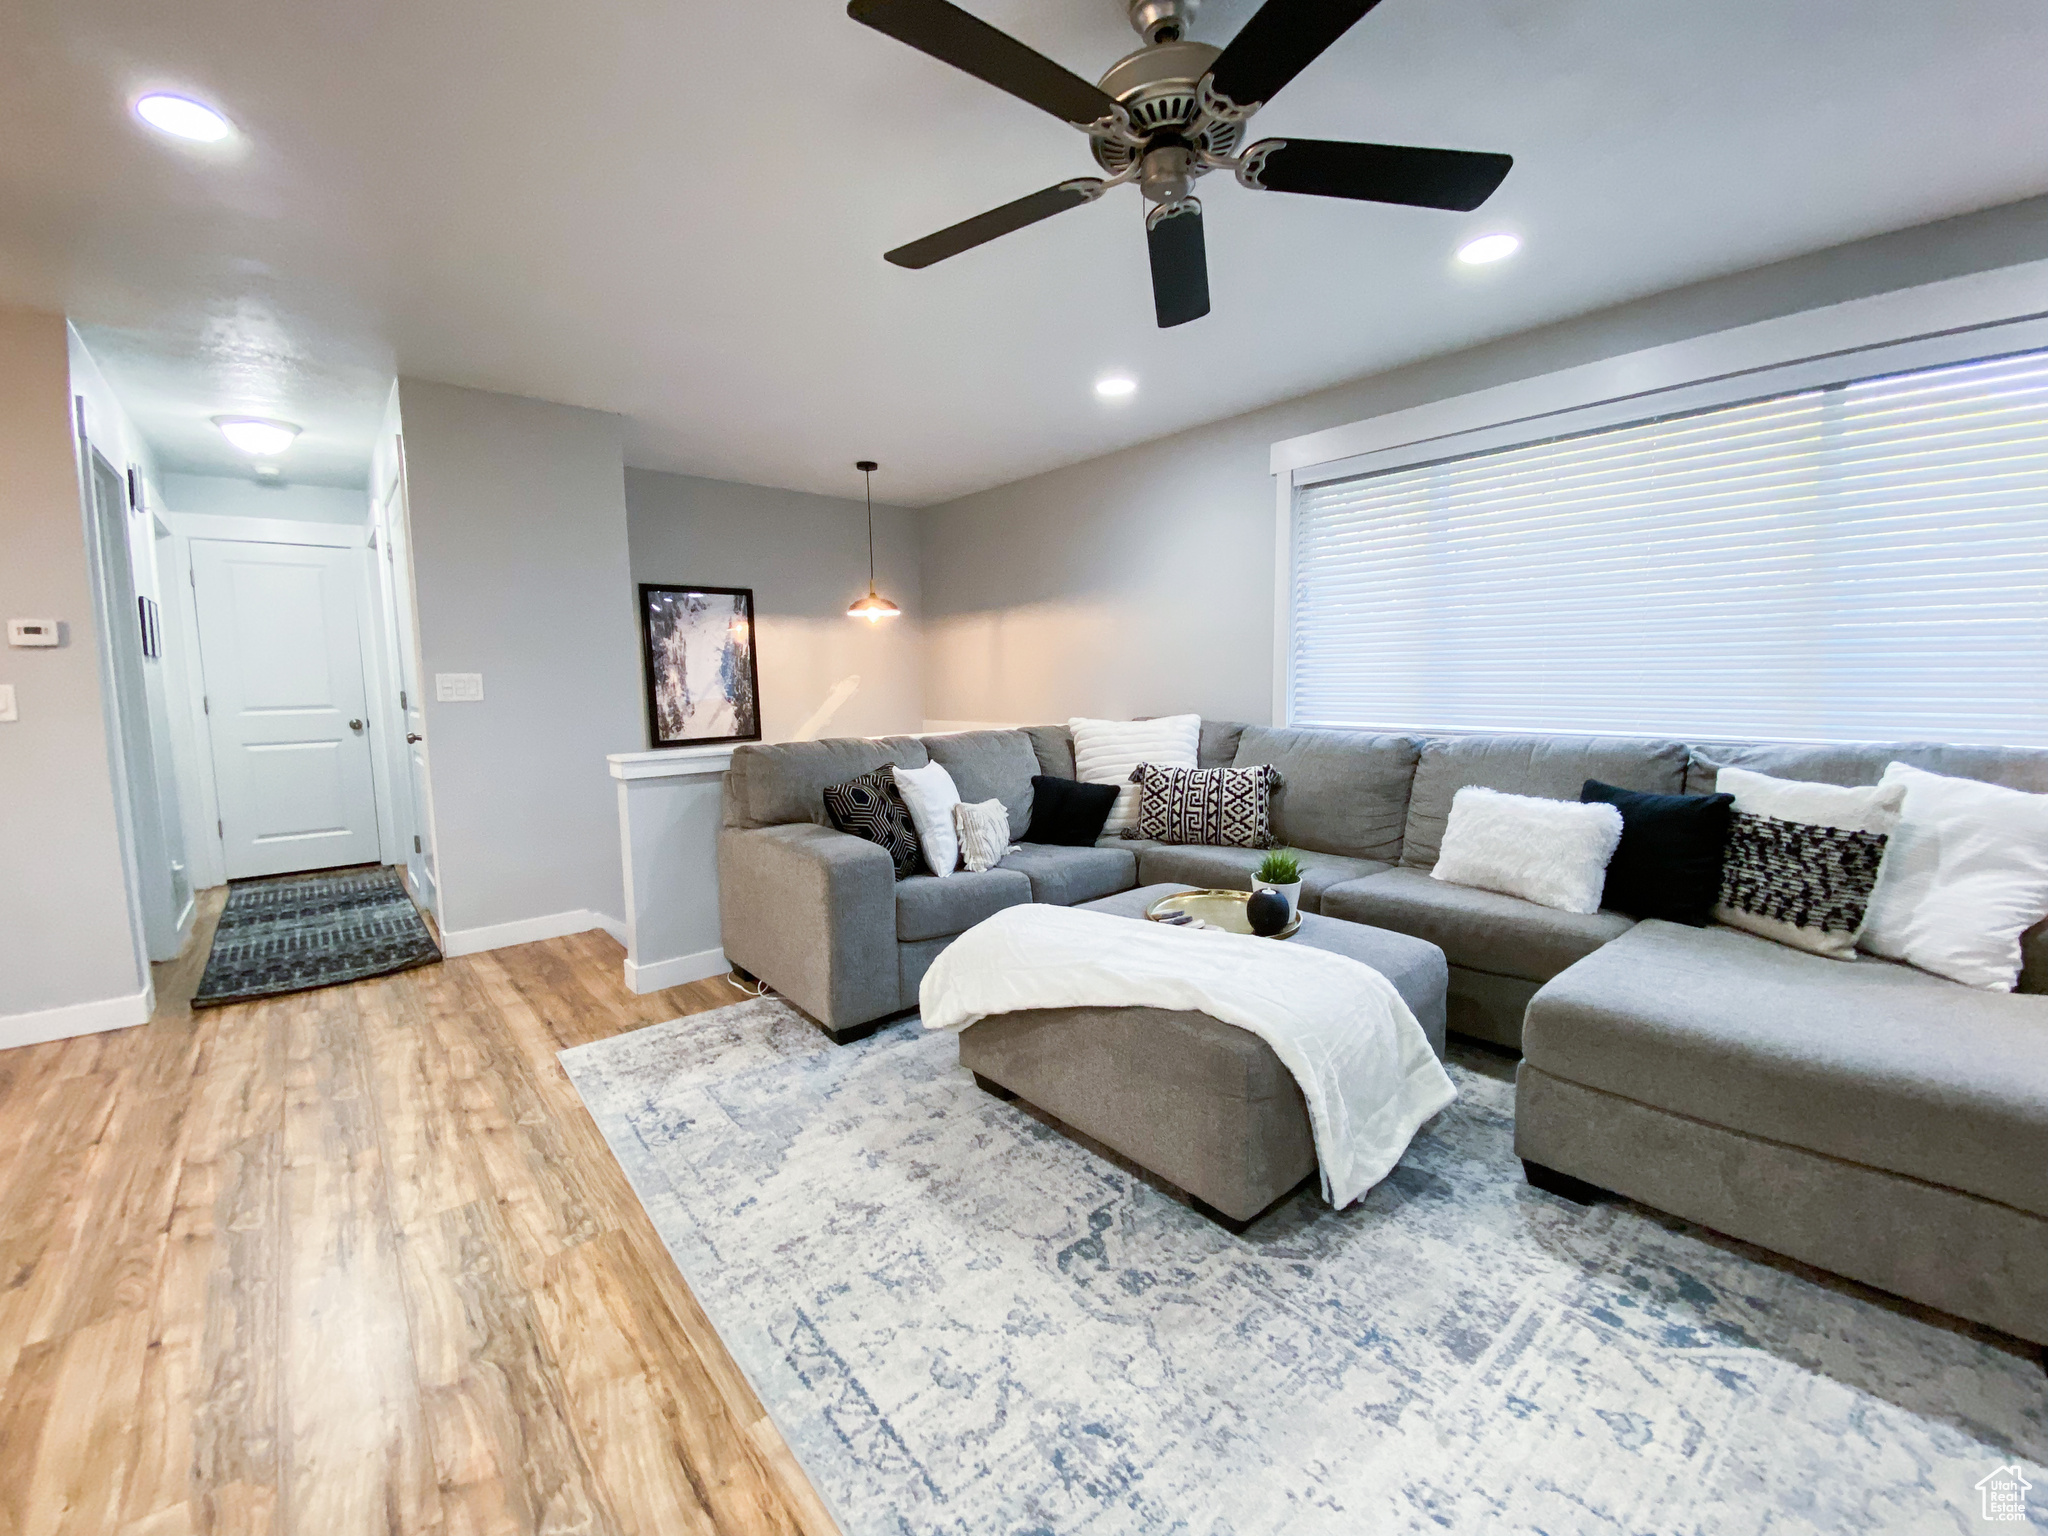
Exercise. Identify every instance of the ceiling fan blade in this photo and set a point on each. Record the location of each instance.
(966, 42)
(984, 227)
(1282, 39)
(1459, 179)
(1180, 262)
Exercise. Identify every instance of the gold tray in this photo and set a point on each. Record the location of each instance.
(1219, 909)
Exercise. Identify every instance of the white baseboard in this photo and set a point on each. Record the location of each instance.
(527, 930)
(77, 1019)
(659, 975)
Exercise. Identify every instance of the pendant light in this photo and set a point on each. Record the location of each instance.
(874, 607)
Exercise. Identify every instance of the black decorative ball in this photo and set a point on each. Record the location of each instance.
(1266, 912)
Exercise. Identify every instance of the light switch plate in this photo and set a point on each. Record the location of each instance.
(458, 687)
(7, 710)
(31, 631)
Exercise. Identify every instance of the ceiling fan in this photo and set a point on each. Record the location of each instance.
(1172, 112)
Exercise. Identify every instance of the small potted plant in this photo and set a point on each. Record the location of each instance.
(1280, 871)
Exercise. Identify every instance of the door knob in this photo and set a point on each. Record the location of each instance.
(355, 725)
(414, 736)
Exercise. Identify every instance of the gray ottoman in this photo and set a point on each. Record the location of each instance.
(1203, 1104)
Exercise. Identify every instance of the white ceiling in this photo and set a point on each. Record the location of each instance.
(676, 209)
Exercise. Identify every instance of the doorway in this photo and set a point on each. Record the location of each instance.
(285, 705)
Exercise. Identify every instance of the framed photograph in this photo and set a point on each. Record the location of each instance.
(702, 687)
(152, 632)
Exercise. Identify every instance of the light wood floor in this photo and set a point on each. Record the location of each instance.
(357, 1260)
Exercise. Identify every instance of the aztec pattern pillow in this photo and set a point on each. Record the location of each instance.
(872, 807)
(1803, 859)
(1219, 807)
(984, 834)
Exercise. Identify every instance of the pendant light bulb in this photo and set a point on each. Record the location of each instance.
(874, 607)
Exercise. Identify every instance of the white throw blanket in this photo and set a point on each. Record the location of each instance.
(1363, 1063)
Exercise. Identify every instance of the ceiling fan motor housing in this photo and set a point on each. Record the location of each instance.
(1157, 87)
(1163, 21)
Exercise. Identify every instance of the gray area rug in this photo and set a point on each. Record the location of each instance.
(964, 1322)
(292, 932)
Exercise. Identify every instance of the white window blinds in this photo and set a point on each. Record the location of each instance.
(1864, 562)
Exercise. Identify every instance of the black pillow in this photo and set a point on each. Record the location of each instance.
(1068, 812)
(1669, 862)
(872, 807)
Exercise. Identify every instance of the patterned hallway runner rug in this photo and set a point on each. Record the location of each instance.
(290, 933)
(964, 1322)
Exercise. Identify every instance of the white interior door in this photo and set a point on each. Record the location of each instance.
(283, 660)
(420, 869)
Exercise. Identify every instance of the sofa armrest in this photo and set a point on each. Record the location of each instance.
(812, 912)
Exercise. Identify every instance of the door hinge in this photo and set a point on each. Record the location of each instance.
(206, 704)
(401, 700)
(220, 830)
(416, 844)
(191, 580)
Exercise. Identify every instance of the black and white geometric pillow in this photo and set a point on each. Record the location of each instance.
(872, 807)
(1219, 807)
(1803, 859)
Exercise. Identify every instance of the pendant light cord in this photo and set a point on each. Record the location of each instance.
(869, 476)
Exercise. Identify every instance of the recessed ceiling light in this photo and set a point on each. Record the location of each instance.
(1116, 386)
(254, 435)
(1477, 253)
(183, 118)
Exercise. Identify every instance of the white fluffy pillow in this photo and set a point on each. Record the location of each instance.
(984, 834)
(1965, 874)
(931, 794)
(1105, 752)
(1553, 852)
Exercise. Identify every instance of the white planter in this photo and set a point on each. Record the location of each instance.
(1291, 892)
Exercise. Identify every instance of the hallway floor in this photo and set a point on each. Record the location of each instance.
(356, 1260)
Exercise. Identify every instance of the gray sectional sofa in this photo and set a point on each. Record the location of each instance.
(1861, 1116)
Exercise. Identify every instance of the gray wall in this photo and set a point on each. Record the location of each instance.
(232, 496)
(1142, 582)
(65, 934)
(822, 673)
(519, 551)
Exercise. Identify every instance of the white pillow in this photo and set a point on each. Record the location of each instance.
(930, 794)
(1965, 874)
(1803, 859)
(1552, 852)
(1105, 752)
(984, 834)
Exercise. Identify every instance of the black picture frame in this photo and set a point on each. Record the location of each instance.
(152, 631)
(667, 623)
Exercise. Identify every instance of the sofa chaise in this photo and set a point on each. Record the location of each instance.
(1861, 1116)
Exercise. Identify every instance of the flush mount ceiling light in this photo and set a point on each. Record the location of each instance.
(182, 118)
(1489, 248)
(255, 435)
(874, 607)
(1116, 387)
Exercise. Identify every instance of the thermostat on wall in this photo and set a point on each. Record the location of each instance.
(31, 631)
(458, 687)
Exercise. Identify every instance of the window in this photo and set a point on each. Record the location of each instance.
(1867, 561)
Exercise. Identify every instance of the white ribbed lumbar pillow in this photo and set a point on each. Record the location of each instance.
(1965, 874)
(930, 794)
(1105, 752)
(984, 834)
(1552, 852)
